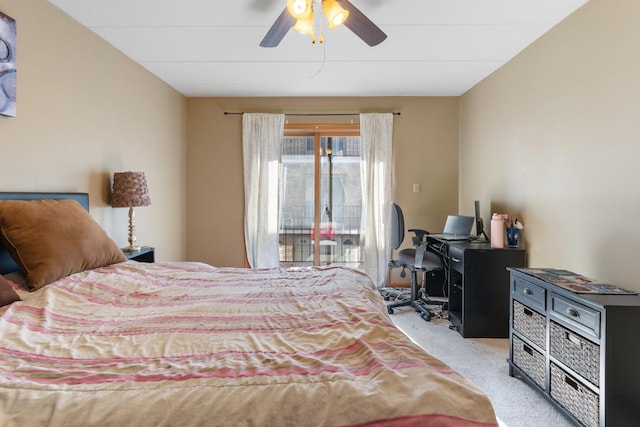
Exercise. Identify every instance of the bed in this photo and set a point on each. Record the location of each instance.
(189, 344)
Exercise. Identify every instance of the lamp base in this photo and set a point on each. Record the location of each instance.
(132, 232)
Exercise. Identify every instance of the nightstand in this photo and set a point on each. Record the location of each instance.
(145, 254)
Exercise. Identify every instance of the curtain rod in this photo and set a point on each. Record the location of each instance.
(314, 114)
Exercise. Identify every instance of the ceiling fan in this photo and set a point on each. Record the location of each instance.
(299, 15)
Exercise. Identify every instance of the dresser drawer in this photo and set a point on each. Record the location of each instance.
(530, 324)
(585, 318)
(575, 397)
(529, 293)
(575, 351)
(530, 361)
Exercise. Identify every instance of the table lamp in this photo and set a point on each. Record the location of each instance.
(129, 191)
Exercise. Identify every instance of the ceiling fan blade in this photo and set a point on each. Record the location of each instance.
(262, 5)
(361, 25)
(278, 30)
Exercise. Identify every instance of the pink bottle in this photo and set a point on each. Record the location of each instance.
(497, 231)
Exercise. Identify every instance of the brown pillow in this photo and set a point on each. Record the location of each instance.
(51, 239)
(7, 293)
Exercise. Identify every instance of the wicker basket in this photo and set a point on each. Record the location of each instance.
(576, 352)
(529, 361)
(575, 397)
(529, 323)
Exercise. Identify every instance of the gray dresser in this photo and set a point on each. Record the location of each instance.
(580, 350)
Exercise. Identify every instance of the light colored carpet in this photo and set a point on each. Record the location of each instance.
(483, 361)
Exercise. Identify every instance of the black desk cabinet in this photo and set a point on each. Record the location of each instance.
(479, 287)
(581, 351)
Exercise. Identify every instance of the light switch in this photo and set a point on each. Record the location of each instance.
(416, 188)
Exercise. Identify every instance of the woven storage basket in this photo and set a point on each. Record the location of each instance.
(576, 352)
(575, 397)
(529, 323)
(529, 361)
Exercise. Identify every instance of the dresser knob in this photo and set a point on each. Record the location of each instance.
(573, 312)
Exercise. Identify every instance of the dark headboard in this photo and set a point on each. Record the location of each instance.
(7, 265)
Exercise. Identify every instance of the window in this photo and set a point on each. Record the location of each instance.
(321, 195)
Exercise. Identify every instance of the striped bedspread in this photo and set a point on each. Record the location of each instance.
(187, 344)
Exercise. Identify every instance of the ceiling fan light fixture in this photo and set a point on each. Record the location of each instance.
(299, 14)
(305, 25)
(299, 9)
(336, 14)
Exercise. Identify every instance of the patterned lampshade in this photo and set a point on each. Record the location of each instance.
(129, 190)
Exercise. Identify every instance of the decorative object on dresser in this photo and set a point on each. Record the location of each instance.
(129, 191)
(575, 340)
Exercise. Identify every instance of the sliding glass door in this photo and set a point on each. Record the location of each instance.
(321, 197)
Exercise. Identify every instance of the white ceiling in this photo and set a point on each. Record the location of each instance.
(210, 48)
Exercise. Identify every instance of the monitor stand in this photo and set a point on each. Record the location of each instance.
(479, 240)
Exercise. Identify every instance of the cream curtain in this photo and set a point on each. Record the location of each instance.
(376, 134)
(261, 148)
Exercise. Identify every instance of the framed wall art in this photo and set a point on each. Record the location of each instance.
(7, 66)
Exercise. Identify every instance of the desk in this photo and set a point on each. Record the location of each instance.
(478, 284)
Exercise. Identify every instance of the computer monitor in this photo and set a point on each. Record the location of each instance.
(479, 222)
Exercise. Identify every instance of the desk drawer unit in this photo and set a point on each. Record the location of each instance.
(479, 288)
(579, 350)
(456, 258)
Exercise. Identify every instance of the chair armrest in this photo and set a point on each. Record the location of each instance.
(419, 235)
(420, 248)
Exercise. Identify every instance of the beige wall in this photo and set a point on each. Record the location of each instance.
(425, 152)
(553, 137)
(85, 111)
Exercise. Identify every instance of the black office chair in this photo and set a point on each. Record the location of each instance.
(417, 259)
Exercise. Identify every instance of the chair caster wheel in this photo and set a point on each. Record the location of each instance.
(426, 317)
(390, 310)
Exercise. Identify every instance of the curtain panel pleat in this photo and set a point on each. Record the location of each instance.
(262, 150)
(376, 137)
